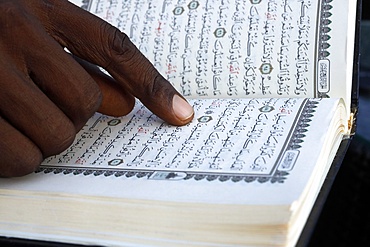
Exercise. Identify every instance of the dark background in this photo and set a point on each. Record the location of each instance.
(345, 219)
(365, 6)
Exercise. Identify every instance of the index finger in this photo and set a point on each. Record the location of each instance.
(98, 42)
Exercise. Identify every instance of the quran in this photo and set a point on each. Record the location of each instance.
(271, 84)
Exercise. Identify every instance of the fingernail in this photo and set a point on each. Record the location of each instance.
(182, 108)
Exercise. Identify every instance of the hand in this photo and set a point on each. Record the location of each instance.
(47, 95)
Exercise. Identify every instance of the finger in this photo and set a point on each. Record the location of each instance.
(28, 110)
(58, 75)
(62, 79)
(115, 100)
(19, 155)
(96, 41)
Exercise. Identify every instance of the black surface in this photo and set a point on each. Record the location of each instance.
(315, 215)
(366, 9)
(345, 218)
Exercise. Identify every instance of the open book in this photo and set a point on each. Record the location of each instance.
(270, 82)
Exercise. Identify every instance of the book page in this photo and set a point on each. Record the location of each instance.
(242, 48)
(228, 137)
(257, 147)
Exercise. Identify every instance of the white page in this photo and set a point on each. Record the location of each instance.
(242, 48)
(227, 136)
(270, 166)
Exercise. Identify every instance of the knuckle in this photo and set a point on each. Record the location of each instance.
(122, 59)
(154, 85)
(18, 13)
(11, 14)
(15, 15)
(122, 55)
(117, 45)
(9, 8)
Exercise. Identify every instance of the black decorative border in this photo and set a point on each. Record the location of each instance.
(303, 124)
(278, 176)
(324, 37)
(86, 4)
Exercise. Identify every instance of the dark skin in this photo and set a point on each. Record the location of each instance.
(47, 94)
